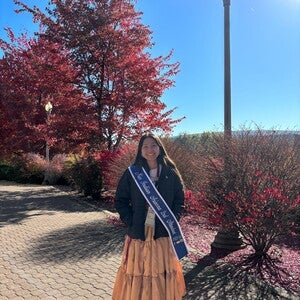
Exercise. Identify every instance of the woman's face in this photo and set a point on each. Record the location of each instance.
(150, 149)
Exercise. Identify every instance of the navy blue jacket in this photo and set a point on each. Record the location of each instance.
(132, 206)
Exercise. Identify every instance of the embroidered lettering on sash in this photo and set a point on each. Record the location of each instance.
(161, 209)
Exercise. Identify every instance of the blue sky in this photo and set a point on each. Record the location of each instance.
(265, 59)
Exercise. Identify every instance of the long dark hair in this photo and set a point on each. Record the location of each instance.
(163, 157)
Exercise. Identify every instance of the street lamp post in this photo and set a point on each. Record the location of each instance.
(48, 108)
(225, 239)
(227, 70)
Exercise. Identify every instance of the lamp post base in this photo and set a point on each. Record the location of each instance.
(228, 239)
(49, 178)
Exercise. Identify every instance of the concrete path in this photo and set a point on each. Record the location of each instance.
(55, 246)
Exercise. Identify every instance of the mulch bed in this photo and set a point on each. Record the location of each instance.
(281, 267)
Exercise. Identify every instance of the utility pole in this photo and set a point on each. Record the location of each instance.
(227, 239)
(227, 71)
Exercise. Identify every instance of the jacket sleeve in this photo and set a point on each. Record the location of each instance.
(178, 204)
(122, 199)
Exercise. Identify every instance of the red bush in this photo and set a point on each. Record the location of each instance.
(194, 202)
(256, 189)
(118, 162)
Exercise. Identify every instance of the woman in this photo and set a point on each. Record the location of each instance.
(150, 269)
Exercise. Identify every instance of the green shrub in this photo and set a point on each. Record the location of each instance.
(7, 171)
(85, 174)
(23, 168)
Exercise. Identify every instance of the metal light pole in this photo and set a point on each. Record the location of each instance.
(227, 71)
(48, 108)
(225, 239)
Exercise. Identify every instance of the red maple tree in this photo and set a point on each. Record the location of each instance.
(107, 44)
(35, 71)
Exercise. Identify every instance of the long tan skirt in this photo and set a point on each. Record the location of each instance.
(149, 271)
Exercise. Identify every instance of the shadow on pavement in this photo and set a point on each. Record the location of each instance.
(17, 205)
(85, 241)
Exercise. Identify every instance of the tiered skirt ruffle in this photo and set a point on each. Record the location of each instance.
(149, 271)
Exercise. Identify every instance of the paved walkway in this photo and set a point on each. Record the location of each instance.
(54, 246)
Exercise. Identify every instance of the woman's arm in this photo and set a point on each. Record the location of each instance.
(122, 199)
(178, 204)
